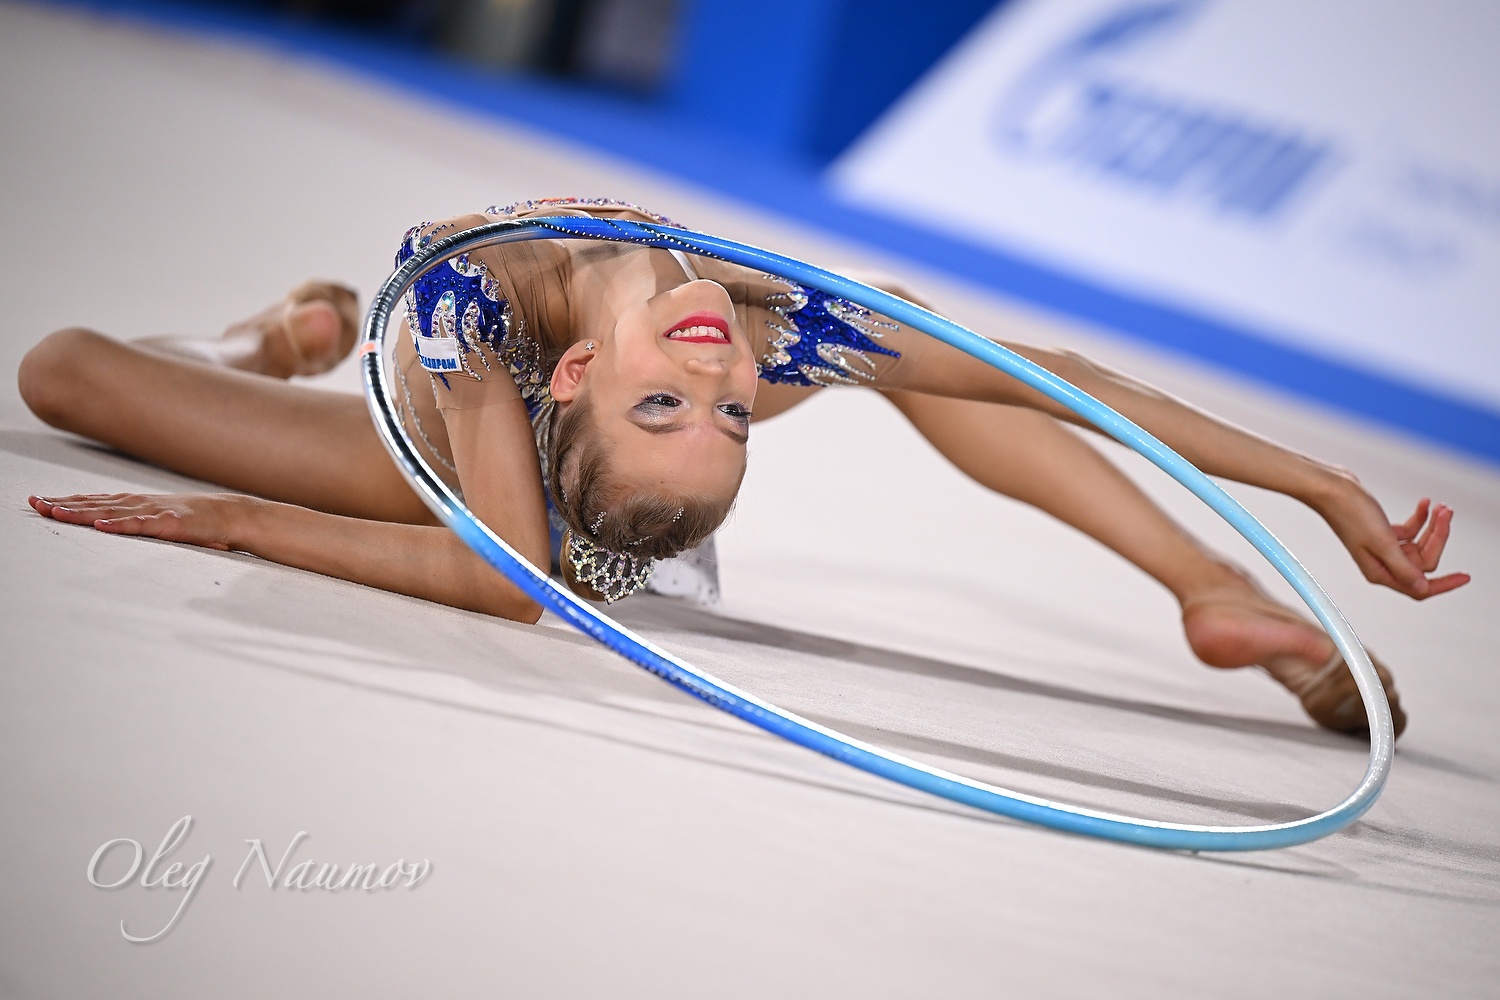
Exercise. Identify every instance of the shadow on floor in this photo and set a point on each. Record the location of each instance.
(91, 459)
(677, 616)
(269, 603)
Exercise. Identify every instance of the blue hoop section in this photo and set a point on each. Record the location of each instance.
(538, 586)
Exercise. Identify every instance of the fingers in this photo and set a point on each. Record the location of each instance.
(172, 518)
(1419, 545)
(81, 499)
(1429, 547)
(1423, 539)
(1392, 566)
(1379, 574)
(86, 508)
(165, 522)
(1412, 582)
(1407, 530)
(131, 524)
(1443, 584)
(122, 513)
(1427, 551)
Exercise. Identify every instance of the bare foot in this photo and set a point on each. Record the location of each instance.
(1236, 624)
(308, 333)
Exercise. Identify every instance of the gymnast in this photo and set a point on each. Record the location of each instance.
(593, 402)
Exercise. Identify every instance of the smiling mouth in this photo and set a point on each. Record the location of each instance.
(700, 328)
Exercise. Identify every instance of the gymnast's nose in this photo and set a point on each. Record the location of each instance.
(705, 366)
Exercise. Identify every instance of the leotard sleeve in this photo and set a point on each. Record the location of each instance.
(458, 315)
(813, 338)
(468, 317)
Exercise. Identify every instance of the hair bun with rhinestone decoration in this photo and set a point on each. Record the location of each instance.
(599, 574)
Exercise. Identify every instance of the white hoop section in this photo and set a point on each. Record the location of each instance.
(536, 584)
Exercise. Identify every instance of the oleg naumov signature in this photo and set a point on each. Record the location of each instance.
(161, 870)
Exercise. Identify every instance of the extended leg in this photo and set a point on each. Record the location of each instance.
(216, 418)
(1229, 621)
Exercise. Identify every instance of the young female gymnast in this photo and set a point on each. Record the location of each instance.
(604, 392)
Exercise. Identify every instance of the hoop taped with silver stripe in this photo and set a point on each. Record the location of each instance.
(539, 587)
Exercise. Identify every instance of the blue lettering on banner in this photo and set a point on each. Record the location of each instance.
(1174, 148)
(1389, 398)
(1069, 108)
(1457, 195)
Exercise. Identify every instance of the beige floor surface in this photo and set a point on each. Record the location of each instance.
(592, 832)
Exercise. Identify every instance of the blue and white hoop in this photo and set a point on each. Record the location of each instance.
(537, 585)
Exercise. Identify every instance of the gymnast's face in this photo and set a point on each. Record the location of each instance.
(670, 379)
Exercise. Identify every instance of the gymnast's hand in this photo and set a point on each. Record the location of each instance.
(1401, 556)
(205, 519)
(420, 560)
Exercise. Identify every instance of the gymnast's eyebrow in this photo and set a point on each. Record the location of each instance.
(671, 427)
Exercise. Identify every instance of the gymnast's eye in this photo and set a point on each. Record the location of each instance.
(735, 410)
(661, 400)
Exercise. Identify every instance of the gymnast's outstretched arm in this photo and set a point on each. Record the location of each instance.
(418, 560)
(1401, 556)
(334, 502)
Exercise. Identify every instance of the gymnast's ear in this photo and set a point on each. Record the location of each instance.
(567, 377)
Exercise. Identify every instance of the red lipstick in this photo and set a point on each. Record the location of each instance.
(705, 327)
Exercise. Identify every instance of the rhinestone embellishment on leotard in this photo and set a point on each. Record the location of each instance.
(820, 339)
(784, 332)
(521, 355)
(526, 207)
(459, 303)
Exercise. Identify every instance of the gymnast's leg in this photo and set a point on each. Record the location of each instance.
(1229, 620)
(220, 409)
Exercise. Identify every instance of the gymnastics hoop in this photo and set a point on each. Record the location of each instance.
(539, 587)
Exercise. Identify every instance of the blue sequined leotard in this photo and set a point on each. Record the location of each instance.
(463, 327)
(812, 338)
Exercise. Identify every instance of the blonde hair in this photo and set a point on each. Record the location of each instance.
(635, 522)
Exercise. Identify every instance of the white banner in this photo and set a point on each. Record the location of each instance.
(1326, 174)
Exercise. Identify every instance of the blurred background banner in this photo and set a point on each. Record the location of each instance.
(798, 79)
(1325, 176)
(1304, 194)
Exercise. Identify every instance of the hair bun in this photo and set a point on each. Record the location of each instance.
(569, 573)
(599, 574)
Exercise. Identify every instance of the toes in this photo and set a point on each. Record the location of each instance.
(313, 330)
(312, 323)
(344, 303)
(306, 333)
(1295, 653)
(1334, 702)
